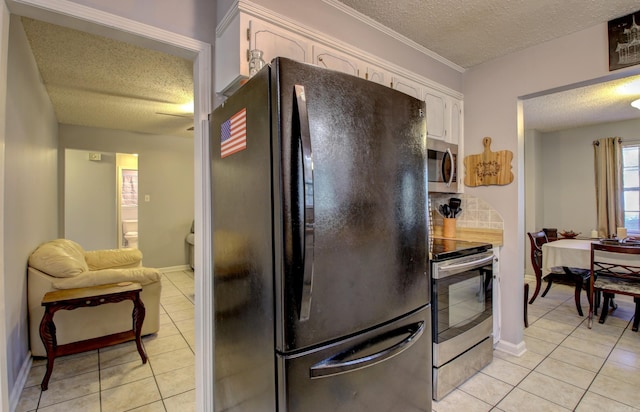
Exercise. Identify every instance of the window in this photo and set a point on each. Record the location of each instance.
(631, 187)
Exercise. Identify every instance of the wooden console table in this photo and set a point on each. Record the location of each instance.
(70, 299)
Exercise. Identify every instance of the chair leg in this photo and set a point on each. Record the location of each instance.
(605, 306)
(636, 316)
(536, 291)
(546, 290)
(576, 297)
(526, 297)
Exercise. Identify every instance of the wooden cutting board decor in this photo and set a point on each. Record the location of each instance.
(488, 168)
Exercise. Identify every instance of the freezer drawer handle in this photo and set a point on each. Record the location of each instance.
(337, 364)
(300, 108)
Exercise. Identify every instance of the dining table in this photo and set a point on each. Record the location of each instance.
(571, 253)
(574, 253)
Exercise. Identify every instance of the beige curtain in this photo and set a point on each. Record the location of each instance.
(608, 170)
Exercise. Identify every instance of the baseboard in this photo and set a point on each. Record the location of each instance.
(21, 380)
(511, 349)
(175, 268)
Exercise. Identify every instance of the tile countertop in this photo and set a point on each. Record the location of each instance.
(493, 236)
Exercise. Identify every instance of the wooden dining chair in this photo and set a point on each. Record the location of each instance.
(615, 269)
(574, 276)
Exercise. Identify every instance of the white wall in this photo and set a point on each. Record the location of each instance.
(165, 173)
(567, 161)
(534, 195)
(28, 151)
(491, 93)
(4, 41)
(31, 192)
(90, 203)
(191, 18)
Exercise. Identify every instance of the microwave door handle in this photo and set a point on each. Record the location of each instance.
(465, 265)
(300, 110)
(453, 167)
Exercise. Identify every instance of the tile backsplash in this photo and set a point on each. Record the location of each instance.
(476, 213)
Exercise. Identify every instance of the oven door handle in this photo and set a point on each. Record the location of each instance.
(465, 265)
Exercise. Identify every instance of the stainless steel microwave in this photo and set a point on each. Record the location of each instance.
(442, 165)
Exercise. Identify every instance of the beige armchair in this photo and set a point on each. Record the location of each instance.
(63, 264)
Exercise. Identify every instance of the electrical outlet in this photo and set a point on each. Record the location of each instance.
(147, 198)
(95, 156)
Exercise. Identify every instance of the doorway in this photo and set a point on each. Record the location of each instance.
(127, 189)
(88, 19)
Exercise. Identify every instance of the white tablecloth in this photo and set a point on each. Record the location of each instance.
(576, 253)
(573, 253)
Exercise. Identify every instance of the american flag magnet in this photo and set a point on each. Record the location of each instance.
(233, 134)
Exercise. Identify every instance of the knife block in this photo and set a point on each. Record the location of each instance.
(449, 227)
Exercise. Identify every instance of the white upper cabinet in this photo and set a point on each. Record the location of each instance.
(444, 116)
(334, 60)
(455, 136)
(436, 115)
(244, 33)
(277, 42)
(231, 64)
(406, 86)
(377, 75)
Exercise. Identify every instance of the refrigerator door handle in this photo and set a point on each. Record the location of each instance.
(300, 108)
(338, 364)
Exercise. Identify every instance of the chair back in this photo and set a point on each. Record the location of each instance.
(537, 239)
(616, 261)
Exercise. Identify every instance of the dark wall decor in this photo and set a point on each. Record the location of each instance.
(624, 41)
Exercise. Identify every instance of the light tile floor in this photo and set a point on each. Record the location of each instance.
(566, 367)
(113, 379)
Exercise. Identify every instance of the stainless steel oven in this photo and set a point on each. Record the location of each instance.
(462, 319)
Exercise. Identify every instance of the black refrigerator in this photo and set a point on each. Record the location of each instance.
(321, 272)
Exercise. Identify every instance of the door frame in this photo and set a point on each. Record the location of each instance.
(80, 17)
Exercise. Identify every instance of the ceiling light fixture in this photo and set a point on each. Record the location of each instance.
(630, 87)
(187, 107)
(636, 104)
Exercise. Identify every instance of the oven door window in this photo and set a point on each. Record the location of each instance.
(462, 301)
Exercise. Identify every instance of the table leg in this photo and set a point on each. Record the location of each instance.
(48, 336)
(138, 318)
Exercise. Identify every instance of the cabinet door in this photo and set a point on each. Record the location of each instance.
(277, 42)
(377, 75)
(455, 131)
(407, 86)
(436, 121)
(334, 60)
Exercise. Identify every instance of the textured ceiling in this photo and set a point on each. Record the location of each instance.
(583, 106)
(470, 32)
(99, 82)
